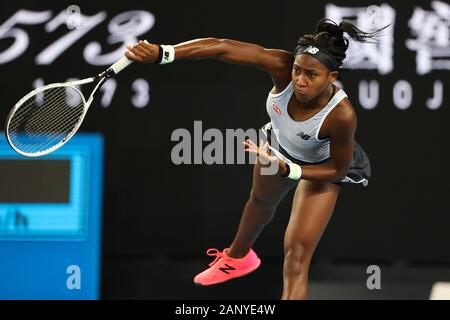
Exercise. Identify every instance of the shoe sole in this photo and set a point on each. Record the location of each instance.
(239, 276)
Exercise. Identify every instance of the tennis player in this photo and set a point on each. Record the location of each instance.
(313, 125)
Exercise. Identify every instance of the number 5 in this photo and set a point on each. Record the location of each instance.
(21, 39)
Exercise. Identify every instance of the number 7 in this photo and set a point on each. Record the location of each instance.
(49, 54)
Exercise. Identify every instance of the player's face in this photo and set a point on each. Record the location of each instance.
(310, 77)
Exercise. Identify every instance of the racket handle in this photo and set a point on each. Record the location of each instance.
(120, 64)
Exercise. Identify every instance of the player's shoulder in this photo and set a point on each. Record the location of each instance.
(344, 110)
(343, 114)
(281, 62)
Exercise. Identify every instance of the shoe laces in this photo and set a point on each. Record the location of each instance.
(213, 252)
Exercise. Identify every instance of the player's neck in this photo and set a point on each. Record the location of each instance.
(320, 101)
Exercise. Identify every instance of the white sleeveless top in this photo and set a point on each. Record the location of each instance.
(300, 138)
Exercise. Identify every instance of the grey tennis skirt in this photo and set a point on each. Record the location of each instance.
(359, 172)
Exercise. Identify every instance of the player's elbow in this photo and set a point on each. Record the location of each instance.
(239, 51)
(339, 174)
(220, 46)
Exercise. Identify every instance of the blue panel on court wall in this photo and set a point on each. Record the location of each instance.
(50, 221)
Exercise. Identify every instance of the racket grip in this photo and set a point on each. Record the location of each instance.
(120, 64)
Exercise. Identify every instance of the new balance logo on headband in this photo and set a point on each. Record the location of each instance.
(303, 135)
(311, 49)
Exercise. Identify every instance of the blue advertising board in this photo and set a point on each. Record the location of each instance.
(50, 221)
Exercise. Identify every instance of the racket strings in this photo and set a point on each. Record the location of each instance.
(54, 131)
(35, 122)
(43, 117)
(29, 117)
(43, 120)
(29, 113)
(46, 119)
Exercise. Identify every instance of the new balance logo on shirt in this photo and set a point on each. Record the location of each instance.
(303, 135)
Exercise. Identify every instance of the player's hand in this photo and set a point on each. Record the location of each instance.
(262, 151)
(143, 51)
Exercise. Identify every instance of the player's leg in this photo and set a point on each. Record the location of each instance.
(239, 259)
(312, 207)
(266, 193)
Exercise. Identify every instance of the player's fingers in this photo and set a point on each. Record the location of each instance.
(251, 143)
(143, 48)
(145, 45)
(130, 55)
(137, 48)
(265, 146)
(247, 148)
(138, 53)
(252, 151)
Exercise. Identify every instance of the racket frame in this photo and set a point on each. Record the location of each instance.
(101, 78)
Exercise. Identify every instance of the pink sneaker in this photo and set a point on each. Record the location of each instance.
(224, 268)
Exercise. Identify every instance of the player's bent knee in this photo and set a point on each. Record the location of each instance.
(262, 201)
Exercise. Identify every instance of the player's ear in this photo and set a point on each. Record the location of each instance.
(333, 76)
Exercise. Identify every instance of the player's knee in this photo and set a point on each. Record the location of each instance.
(262, 201)
(295, 259)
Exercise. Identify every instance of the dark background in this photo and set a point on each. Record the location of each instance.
(159, 216)
(33, 177)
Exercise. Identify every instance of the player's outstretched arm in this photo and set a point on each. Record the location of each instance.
(277, 63)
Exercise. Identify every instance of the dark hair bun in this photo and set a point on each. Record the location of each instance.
(330, 27)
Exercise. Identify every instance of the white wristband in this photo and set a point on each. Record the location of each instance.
(295, 171)
(168, 55)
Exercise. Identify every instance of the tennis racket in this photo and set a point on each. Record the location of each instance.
(46, 118)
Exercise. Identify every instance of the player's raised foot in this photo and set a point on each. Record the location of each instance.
(225, 268)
